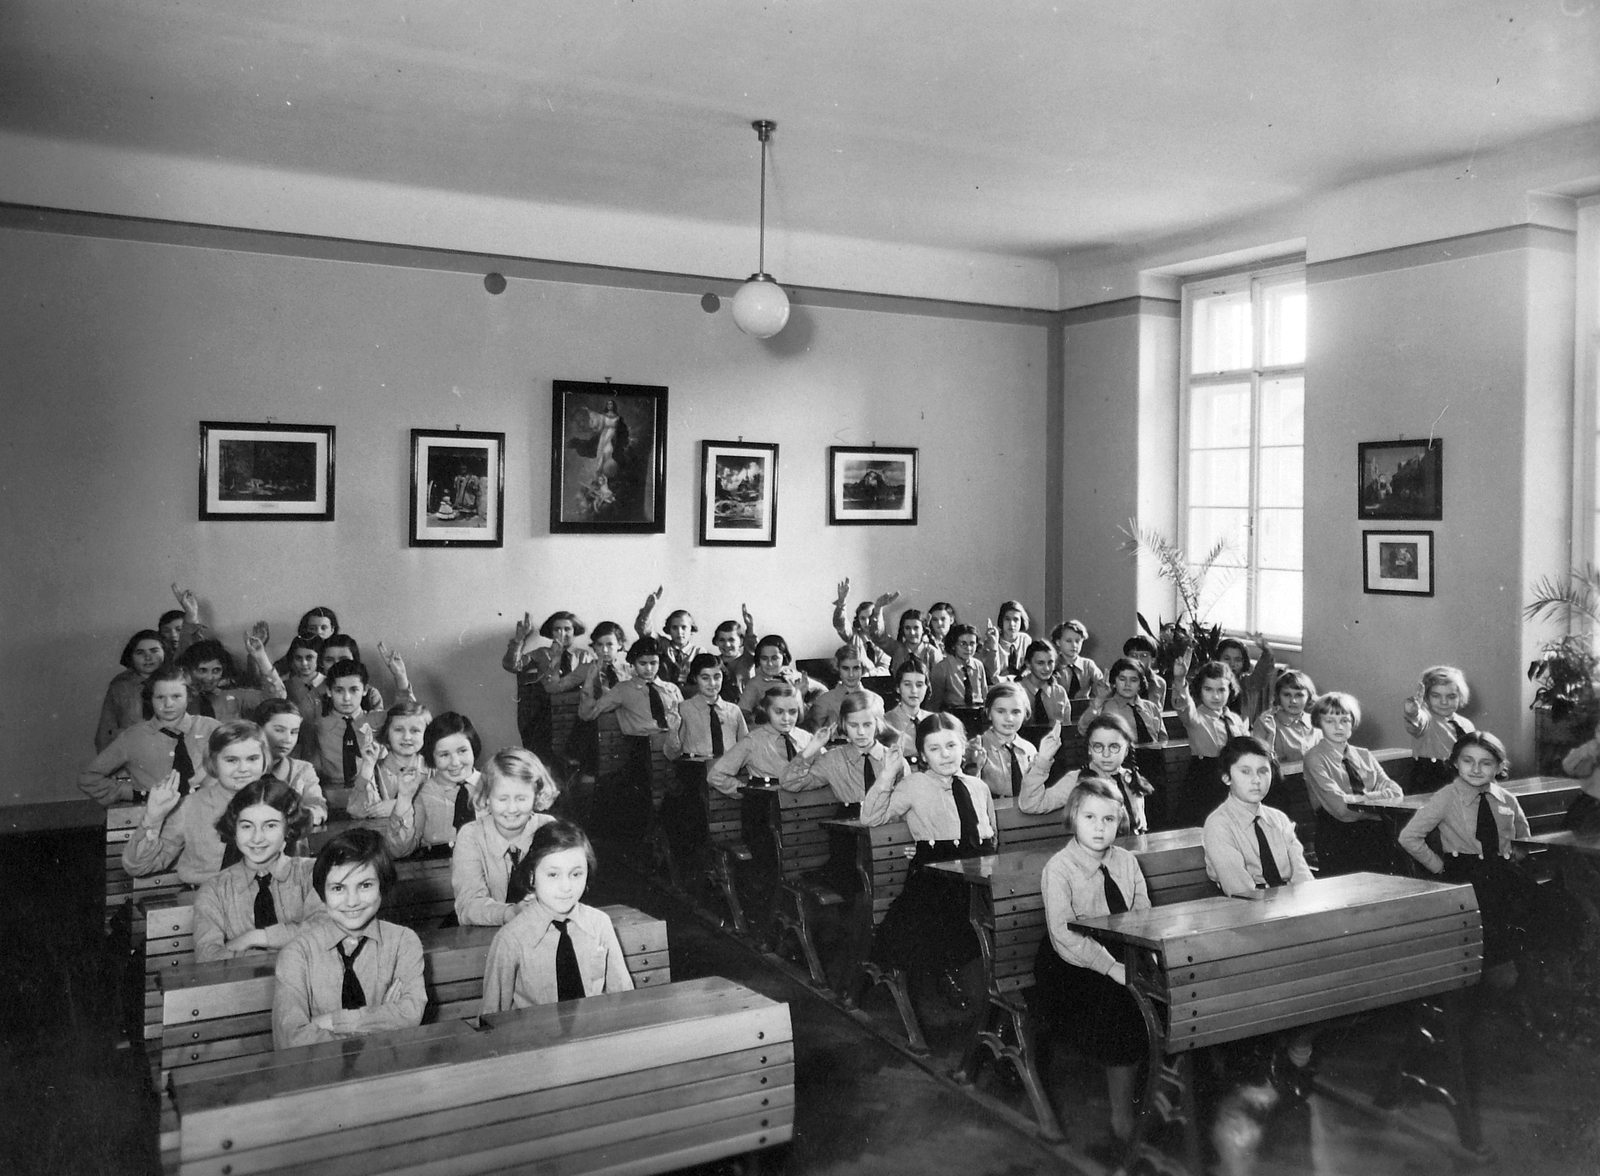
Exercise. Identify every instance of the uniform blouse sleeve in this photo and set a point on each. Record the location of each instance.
(722, 772)
(500, 972)
(883, 805)
(210, 923)
(1412, 837)
(312, 799)
(106, 729)
(803, 775)
(97, 780)
(1225, 861)
(149, 852)
(1299, 871)
(291, 1001)
(405, 999)
(475, 906)
(1073, 946)
(402, 832)
(1322, 778)
(1035, 797)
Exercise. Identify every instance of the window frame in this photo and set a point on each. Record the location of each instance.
(1255, 280)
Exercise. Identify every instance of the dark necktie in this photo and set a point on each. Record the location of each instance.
(516, 880)
(1074, 682)
(658, 709)
(609, 675)
(1269, 864)
(181, 763)
(464, 812)
(730, 684)
(565, 666)
(352, 750)
(1124, 786)
(266, 912)
(868, 776)
(966, 676)
(1115, 903)
(966, 812)
(1356, 786)
(1488, 832)
(569, 978)
(1016, 770)
(1141, 729)
(788, 748)
(718, 744)
(352, 995)
(1041, 717)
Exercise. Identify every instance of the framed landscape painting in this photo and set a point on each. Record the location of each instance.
(1401, 479)
(873, 486)
(458, 489)
(738, 494)
(608, 458)
(282, 472)
(1397, 563)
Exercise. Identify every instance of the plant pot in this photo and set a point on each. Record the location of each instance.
(1552, 740)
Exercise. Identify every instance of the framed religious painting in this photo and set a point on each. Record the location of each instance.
(738, 494)
(266, 472)
(458, 489)
(874, 486)
(1397, 563)
(608, 458)
(1401, 479)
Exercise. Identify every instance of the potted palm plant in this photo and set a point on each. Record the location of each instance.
(1196, 593)
(1564, 700)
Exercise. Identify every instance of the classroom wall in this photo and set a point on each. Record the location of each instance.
(1477, 351)
(116, 349)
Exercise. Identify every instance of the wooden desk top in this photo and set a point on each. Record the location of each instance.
(1030, 860)
(1532, 786)
(1587, 844)
(1164, 926)
(52, 815)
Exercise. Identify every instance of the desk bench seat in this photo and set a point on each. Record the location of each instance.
(787, 842)
(638, 1082)
(216, 1011)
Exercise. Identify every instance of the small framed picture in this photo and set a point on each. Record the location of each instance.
(458, 489)
(282, 472)
(1401, 479)
(872, 487)
(738, 494)
(1398, 563)
(608, 458)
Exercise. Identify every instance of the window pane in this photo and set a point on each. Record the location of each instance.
(1219, 416)
(1283, 476)
(1206, 527)
(1278, 608)
(1283, 411)
(1225, 593)
(1219, 477)
(1220, 331)
(1279, 539)
(1283, 324)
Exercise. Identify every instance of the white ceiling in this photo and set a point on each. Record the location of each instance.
(1020, 129)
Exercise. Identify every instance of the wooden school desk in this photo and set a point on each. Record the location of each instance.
(1006, 905)
(1216, 970)
(1544, 801)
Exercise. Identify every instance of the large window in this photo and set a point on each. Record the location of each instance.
(1244, 354)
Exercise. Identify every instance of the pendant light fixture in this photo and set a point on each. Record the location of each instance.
(761, 308)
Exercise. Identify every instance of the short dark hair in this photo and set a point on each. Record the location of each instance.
(172, 614)
(126, 660)
(341, 641)
(1036, 647)
(270, 708)
(644, 647)
(548, 627)
(934, 723)
(956, 633)
(704, 661)
(553, 837)
(238, 731)
(1141, 644)
(297, 643)
(1109, 722)
(1489, 743)
(681, 612)
(774, 641)
(1237, 748)
(354, 847)
(763, 707)
(445, 725)
(912, 665)
(346, 669)
(319, 611)
(210, 649)
(609, 629)
(1213, 670)
(273, 792)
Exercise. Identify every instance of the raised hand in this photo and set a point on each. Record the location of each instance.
(261, 630)
(886, 600)
(254, 644)
(976, 755)
(523, 630)
(822, 737)
(164, 797)
(1050, 741)
(1413, 706)
(394, 661)
(844, 593)
(991, 636)
(749, 621)
(189, 602)
(654, 598)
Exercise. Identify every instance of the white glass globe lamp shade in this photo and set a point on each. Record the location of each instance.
(761, 308)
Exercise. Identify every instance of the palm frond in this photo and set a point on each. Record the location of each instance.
(1575, 595)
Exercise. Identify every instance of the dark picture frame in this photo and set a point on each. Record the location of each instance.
(875, 486)
(1400, 479)
(738, 494)
(458, 489)
(281, 473)
(608, 458)
(1397, 563)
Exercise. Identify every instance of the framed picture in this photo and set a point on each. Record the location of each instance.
(458, 489)
(738, 494)
(608, 458)
(872, 486)
(1397, 563)
(280, 472)
(1401, 479)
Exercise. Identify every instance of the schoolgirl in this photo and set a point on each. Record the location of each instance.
(1250, 846)
(1047, 699)
(170, 741)
(1337, 772)
(1005, 645)
(958, 682)
(869, 757)
(911, 688)
(764, 753)
(535, 667)
(280, 722)
(1286, 728)
(259, 901)
(514, 801)
(124, 702)
(1435, 726)
(1078, 674)
(392, 763)
(774, 667)
(1107, 741)
(1202, 703)
(1000, 756)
